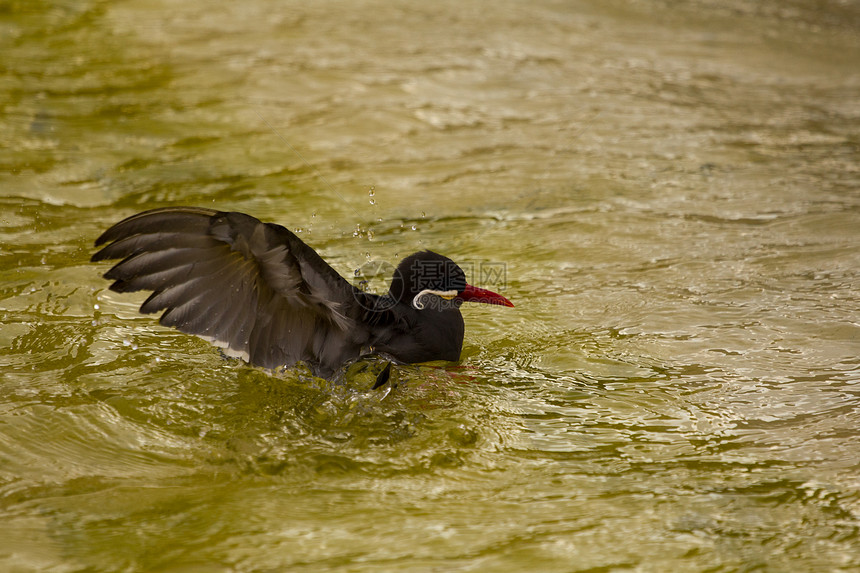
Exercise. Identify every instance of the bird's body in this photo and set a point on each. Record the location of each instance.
(259, 292)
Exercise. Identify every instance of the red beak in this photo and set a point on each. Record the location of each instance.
(475, 294)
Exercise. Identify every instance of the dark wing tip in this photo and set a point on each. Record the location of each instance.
(152, 219)
(383, 376)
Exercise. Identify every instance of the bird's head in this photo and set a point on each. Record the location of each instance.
(430, 278)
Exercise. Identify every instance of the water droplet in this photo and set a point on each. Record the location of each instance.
(414, 228)
(372, 191)
(373, 201)
(95, 306)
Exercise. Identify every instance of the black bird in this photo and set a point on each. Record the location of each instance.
(260, 293)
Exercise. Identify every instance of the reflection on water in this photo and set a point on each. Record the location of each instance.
(671, 189)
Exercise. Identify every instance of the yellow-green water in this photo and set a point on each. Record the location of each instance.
(672, 189)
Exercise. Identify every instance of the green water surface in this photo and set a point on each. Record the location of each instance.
(668, 191)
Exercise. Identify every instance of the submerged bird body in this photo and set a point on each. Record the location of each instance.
(260, 293)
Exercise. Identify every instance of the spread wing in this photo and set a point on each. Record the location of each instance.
(252, 288)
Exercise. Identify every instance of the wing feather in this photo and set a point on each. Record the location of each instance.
(254, 289)
(136, 244)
